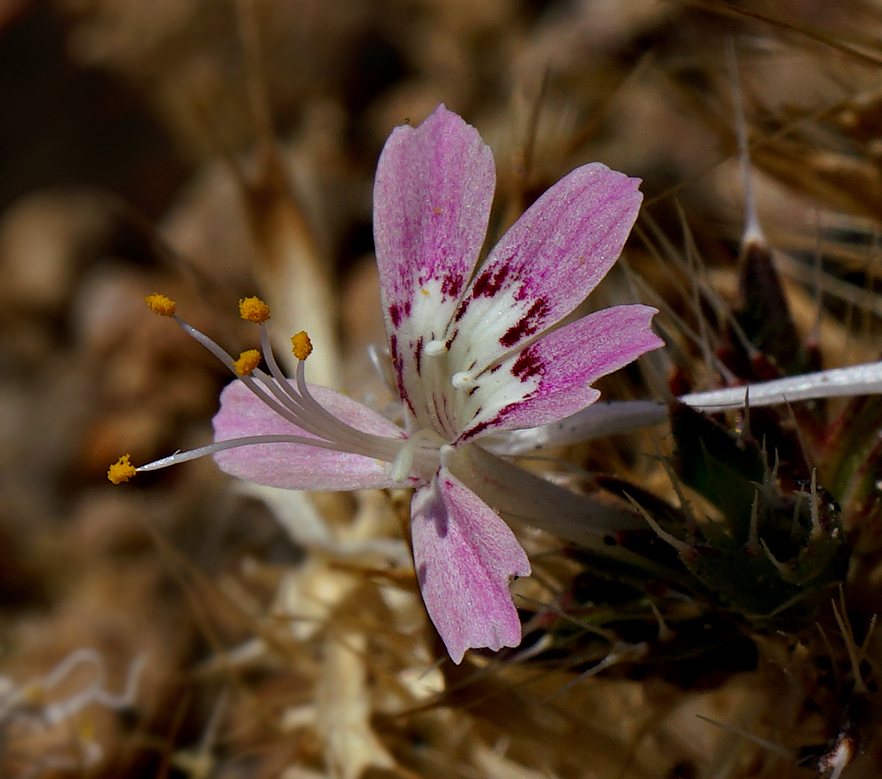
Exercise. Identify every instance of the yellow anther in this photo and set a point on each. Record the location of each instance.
(302, 345)
(160, 304)
(122, 470)
(254, 310)
(247, 362)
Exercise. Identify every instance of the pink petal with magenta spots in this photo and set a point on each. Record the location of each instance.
(432, 197)
(550, 379)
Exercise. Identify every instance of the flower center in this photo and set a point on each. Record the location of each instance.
(444, 390)
(419, 454)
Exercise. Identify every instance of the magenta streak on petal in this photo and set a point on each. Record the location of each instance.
(297, 466)
(398, 312)
(486, 284)
(418, 354)
(442, 414)
(566, 361)
(399, 380)
(489, 282)
(476, 429)
(452, 284)
(532, 322)
(527, 364)
(464, 556)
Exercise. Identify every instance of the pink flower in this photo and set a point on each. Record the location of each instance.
(474, 351)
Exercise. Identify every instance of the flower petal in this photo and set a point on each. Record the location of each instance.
(546, 264)
(550, 379)
(296, 466)
(464, 556)
(432, 197)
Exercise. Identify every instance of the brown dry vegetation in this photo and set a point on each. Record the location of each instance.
(212, 149)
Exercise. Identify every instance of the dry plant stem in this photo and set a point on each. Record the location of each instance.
(291, 264)
(616, 417)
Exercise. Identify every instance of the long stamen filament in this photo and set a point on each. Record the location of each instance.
(312, 406)
(214, 348)
(310, 415)
(296, 406)
(345, 438)
(282, 402)
(233, 443)
(270, 358)
(301, 402)
(251, 383)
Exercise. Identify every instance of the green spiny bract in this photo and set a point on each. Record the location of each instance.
(766, 552)
(777, 548)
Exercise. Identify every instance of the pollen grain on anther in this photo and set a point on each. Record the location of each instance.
(122, 470)
(247, 362)
(301, 345)
(253, 309)
(160, 304)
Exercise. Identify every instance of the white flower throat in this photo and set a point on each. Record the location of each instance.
(447, 382)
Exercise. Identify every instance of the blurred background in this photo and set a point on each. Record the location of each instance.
(186, 626)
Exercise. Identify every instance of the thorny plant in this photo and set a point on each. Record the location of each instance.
(643, 604)
(755, 544)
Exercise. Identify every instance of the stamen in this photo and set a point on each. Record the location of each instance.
(122, 470)
(247, 362)
(214, 348)
(285, 403)
(300, 408)
(253, 309)
(463, 380)
(435, 348)
(297, 406)
(160, 304)
(297, 411)
(336, 429)
(233, 443)
(282, 405)
(301, 345)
